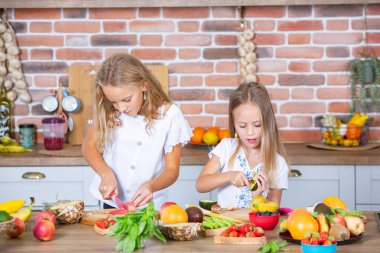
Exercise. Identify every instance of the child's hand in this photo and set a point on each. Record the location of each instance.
(262, 183)
(108, 184)
(143, 195)
(238, 178)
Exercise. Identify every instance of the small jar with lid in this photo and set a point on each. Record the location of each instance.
(27, 134)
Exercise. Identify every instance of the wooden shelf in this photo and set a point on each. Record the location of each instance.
(166, 3)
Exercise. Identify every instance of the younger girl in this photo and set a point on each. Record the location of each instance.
(256, 148)
(135, 145)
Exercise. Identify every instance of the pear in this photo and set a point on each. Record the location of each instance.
(322, 222)
(354, 224)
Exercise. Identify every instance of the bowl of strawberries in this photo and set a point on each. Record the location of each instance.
(318, 243)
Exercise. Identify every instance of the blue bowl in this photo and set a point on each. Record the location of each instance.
(306, 248)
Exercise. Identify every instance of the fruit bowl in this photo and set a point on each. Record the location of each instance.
(265, 222)
(306, 248)
(346, 136)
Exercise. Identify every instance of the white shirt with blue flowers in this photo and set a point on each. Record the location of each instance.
(241, 197)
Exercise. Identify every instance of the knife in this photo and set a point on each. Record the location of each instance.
(116, 199)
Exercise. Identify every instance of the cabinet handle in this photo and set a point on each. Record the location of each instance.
(33, 175)
(295, 173)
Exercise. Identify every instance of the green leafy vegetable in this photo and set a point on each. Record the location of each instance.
(132, 228)
(273, 247)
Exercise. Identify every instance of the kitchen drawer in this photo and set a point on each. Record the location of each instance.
(58, 183)
(310, 184)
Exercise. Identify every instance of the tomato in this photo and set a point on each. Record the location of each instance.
(301, 221)
(173, 214)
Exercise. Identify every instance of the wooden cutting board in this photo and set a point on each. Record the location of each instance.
(240, 240)
(90, 217)
(81, 85)
(239, 214)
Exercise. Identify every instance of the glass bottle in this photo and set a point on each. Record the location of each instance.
(5, 113)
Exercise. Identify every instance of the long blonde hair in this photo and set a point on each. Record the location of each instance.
(270, 141)
(123, 69)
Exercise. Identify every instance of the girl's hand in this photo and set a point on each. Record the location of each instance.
(238, 178)
(143, 195)
(108, 184)
(262, 183)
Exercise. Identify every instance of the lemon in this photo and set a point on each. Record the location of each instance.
(210, 138)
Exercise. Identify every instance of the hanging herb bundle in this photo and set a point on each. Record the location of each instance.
(132, 228)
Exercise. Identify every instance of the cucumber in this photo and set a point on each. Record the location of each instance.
(207, 204)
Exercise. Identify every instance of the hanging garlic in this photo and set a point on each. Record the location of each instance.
(9, 54)
(247, 55)
(8, 85)
(11, 95)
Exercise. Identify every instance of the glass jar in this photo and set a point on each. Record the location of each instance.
(27, 135)
(5, 113)
(54, 133)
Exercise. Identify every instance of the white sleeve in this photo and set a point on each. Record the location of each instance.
(179, 132)
(282, 174)
(220, 151)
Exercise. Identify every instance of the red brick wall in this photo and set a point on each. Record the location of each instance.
(303, 55)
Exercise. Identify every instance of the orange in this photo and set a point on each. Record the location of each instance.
(334, 202)
(224, 133)
(173, 214)
(210, 138)
(198, 135)
(301, 221)
(213, 129)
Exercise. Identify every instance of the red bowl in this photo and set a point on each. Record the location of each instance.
(265, 222)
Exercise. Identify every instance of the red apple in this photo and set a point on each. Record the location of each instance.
(15, 229)
(45, 215)
(44, 230)
(338, 219)
(166, 204)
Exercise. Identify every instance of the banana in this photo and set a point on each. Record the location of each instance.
(12, 206)
(12, 148)
(25, 213)
(284, 226)
(269, 206)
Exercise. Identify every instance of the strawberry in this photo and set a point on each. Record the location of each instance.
(332, 239)
(234, 234)
(327, 243)
(244, 228)
(259, 232)
(232, 228)
(305, 241)
(241, 235)
(323, 237)
(225, 233)
(314, 241)
(251, 234)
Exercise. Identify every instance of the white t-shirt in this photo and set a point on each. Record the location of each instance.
(241, 196)
(137, 156)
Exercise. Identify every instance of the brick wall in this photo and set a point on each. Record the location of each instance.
(303, 55)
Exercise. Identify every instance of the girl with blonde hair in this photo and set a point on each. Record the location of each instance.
(135, 144)
(255, 152)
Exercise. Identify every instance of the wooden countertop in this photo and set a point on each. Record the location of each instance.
(299, 154)
(82, 238)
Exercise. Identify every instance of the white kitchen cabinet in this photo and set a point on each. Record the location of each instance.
(183, 191)
(368, 188)
(314, 183)
(47, 184)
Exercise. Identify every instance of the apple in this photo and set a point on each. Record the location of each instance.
(339, 219)
(46, 215)
(15, 229)
(44, 230)
(166, 204)
(354, 224)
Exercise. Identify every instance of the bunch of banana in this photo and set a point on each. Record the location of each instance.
(269, 206)
(9, 145)
(25, 213)
(214, 223)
